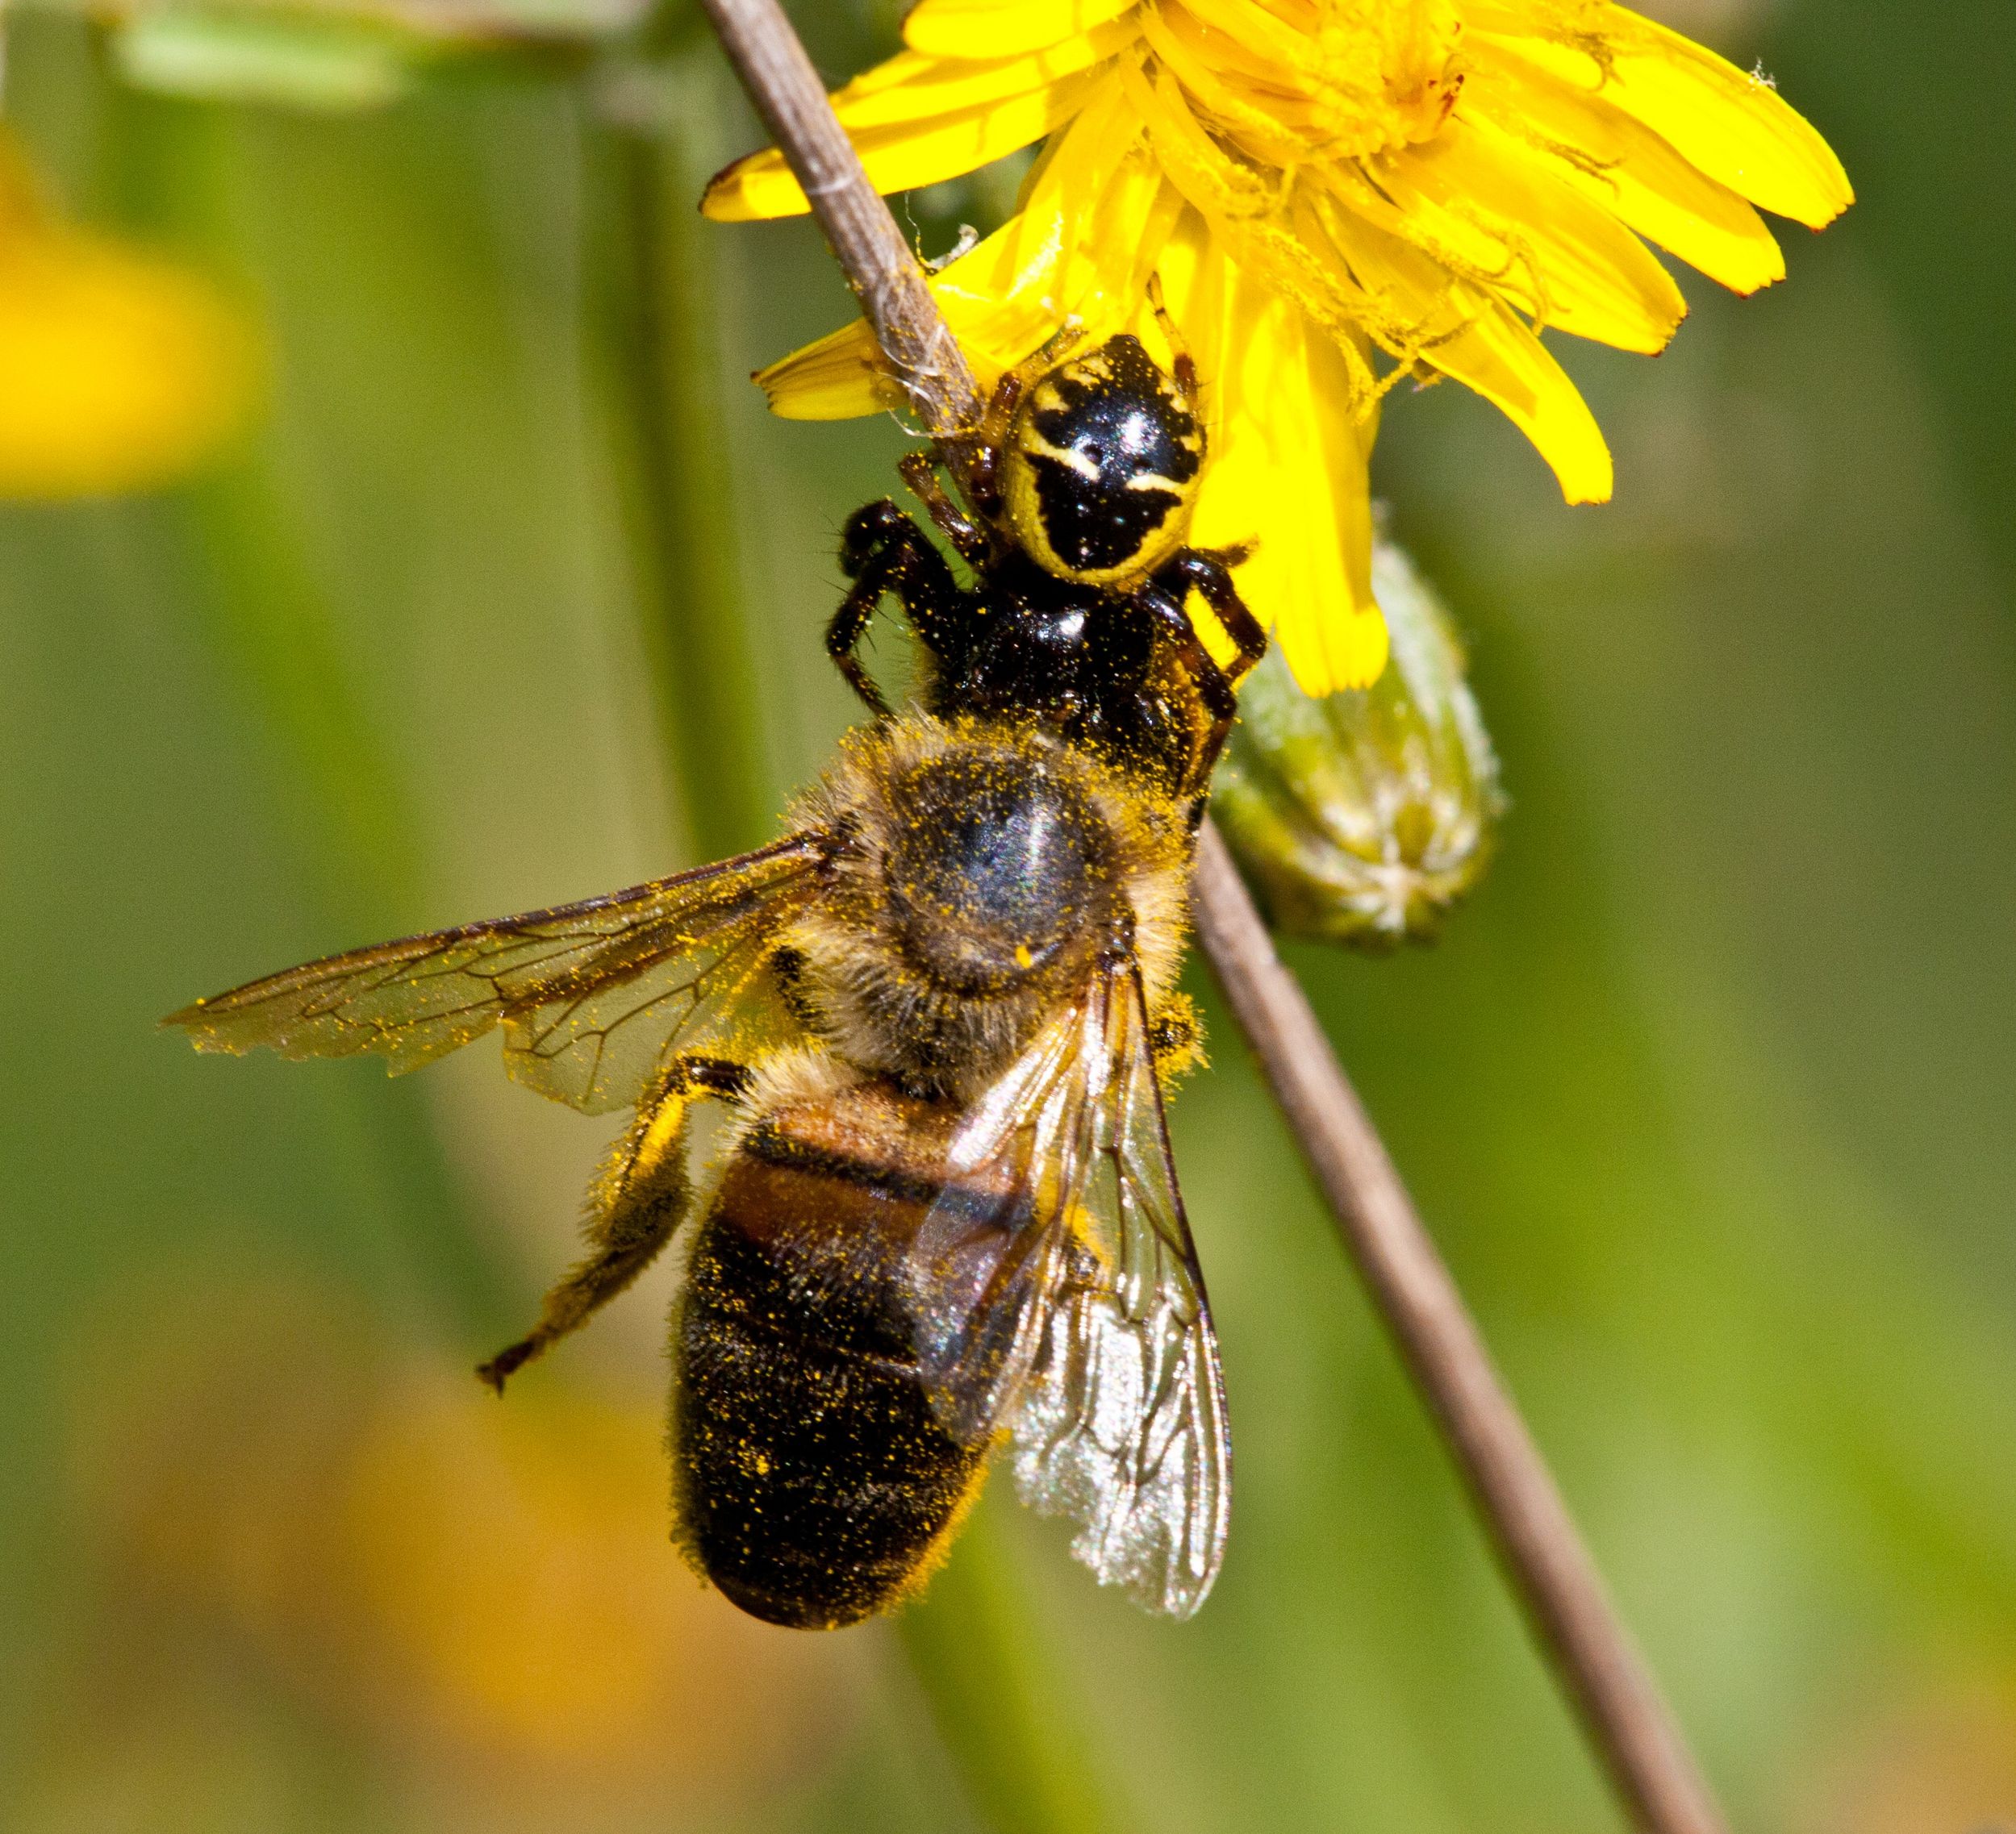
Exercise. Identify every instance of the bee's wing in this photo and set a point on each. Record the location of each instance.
(1081, 1319)
(591, 995)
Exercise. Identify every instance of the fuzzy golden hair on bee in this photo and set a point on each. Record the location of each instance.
(987, 866)
(1176, 1036)
(804, 1076)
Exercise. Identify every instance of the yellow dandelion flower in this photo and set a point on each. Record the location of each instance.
(119, 370)
(1334, 194)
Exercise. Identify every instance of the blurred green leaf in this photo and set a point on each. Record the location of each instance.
(296, 60)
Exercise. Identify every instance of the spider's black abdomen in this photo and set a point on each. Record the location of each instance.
(1111, 474)
(1101, 466)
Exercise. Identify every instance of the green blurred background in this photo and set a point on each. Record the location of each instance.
(515, 597)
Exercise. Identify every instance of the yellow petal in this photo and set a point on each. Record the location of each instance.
(1735, 128)
(843, 375)
(1004, 28)
(838, 377)
(1248, 214)
(1286, 468)
(913, 87)
(1106, 286)
(1332, 633)
(1498, 356)
(1262, 34)
(1565, 259)
(1621, 164)
(1473, 337)
(1082, 245)
(1196, 57)
(904, 154)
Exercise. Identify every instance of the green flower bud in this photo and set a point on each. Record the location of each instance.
(1361, 817)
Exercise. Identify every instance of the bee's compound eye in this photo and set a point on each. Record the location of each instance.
(1102, 466)
(1000, 868)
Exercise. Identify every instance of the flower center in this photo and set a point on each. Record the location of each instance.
(1329, 79)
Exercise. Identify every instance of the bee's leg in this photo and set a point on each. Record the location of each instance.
(884, 553)
(1176, 1039)
(1209, 571)
(788, 965)
(635, 1203)
(922, 477)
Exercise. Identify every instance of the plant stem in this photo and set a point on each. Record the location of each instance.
(1514, 1493)
(878, 263)
(1618, 1704)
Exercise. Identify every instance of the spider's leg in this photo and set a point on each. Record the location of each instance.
(1214, 686)
(921, 475)
(1001, 405)
(1208, 571)
(1183, 366)
(887, 555)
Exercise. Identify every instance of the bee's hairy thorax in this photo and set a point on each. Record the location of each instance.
(988, 868)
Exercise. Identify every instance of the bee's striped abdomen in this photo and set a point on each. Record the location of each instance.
(816, 1481)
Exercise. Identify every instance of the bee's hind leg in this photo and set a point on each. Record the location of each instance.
(1175, 1040)
(635, 1203)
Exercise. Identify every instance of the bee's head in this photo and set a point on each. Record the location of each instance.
(1101, 466)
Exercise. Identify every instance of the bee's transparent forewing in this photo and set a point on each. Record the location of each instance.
(1121, 1425)
(992, 1249)
(1066, 1302)
(590, 996)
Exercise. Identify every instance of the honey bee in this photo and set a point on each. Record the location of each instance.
(940, 1015)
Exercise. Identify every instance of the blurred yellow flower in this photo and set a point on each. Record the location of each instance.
(119, 370)
(487, 1597)
(1335, 194)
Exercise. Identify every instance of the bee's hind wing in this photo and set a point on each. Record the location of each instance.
(591, 996)
(1121, 1423)
(1082, 1322)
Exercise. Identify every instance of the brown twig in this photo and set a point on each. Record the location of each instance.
(1542, 1553)
(929, 364)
